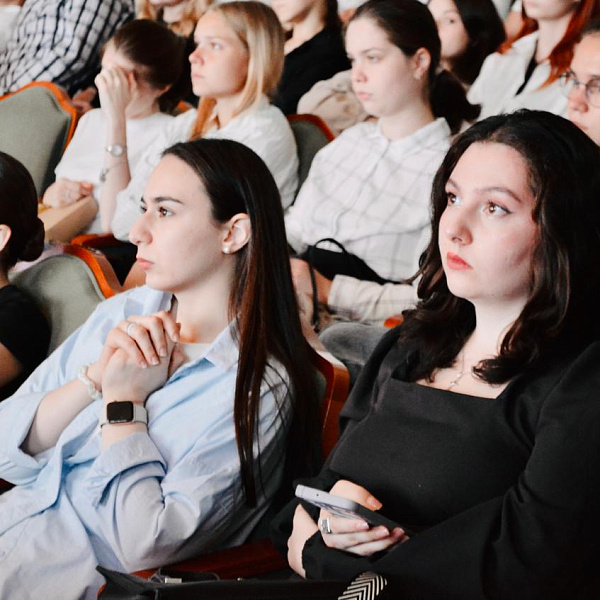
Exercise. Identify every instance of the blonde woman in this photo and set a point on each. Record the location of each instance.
(236, 66)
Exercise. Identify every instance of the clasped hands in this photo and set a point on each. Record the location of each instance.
(350, 535)
(138, 357)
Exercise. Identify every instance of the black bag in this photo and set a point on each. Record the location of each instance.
(206, 586)
(330, 263)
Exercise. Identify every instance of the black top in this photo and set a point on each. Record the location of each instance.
(319, 58)
(507, 490)
(23, 331)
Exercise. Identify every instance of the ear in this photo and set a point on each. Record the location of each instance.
(237, 233)
(421, 61)
(5, 233)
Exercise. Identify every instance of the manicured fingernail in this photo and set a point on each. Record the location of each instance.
(373, 503)
(162, 352)
(143, 364)
(383, 531)
(362, 525)
(154, 360)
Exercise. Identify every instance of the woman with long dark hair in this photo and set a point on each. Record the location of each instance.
(369, 188)
(475, 422)
(167, 423)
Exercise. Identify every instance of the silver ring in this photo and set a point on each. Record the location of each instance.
(128, 330)
(325, 525)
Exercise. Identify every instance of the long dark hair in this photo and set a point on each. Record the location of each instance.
(561, 313)
(160, 55)
(410, 26)
(486, 32)
(263, 301)
(18, 210)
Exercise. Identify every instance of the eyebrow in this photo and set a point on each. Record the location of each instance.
(493, 188)
(160, 199)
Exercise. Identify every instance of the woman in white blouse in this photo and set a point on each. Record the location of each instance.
(236, 65)
(369, 189)
(525, 72)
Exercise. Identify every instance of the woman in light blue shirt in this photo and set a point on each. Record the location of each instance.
(158, 429)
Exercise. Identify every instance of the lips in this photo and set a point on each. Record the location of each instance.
(456, 263)
(143, 263)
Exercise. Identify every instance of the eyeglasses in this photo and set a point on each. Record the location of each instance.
(592, 88)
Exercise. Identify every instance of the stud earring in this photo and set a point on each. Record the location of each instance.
(226, 250)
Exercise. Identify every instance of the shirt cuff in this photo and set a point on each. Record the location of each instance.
(132, 451)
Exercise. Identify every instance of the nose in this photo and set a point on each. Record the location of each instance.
(358, 72)
(455, 225)
(577, 97)
(140, 233)
(196, 55)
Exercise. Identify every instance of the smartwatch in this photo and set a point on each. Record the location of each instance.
(123, 412)
(116, 150)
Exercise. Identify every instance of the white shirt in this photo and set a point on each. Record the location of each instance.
(264, 130)
(84, 156)
(503, 74)
(372, 195)
(8, 19)
(369, 302)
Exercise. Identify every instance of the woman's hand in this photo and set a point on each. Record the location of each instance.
(303, 528)
(141, 342)
(355, 535)
(64, 192)
(116, 88)
(303, 283)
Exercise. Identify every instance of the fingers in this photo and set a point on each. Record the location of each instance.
(154, 335)
(359, 542)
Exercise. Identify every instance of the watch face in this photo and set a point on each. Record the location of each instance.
(119, 412)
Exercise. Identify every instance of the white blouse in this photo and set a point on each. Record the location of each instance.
(502, 75)
(264, 130)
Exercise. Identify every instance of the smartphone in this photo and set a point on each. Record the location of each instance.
(343, 507)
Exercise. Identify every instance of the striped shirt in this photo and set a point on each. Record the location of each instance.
(60, 41)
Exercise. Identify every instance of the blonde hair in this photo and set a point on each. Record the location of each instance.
(192, 11)
(258, 28)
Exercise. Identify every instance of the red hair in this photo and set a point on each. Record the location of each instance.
(562, 53)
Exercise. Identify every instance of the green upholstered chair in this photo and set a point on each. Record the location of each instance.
(67, 285)
(36, 124)
(311, 134)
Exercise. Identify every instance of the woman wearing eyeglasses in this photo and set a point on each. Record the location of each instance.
(582, 83)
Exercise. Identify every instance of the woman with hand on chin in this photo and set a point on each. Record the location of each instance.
(475, 422)
(236, 66)
(166, 424)
(139, 85)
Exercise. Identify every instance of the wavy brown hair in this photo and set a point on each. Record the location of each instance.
(193, 10)
(262, 302)
(561, 312)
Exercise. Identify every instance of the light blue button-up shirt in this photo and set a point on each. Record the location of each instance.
(150, 499)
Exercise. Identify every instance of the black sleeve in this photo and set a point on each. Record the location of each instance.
(355, 409)
(541, 539)
(23, 329)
